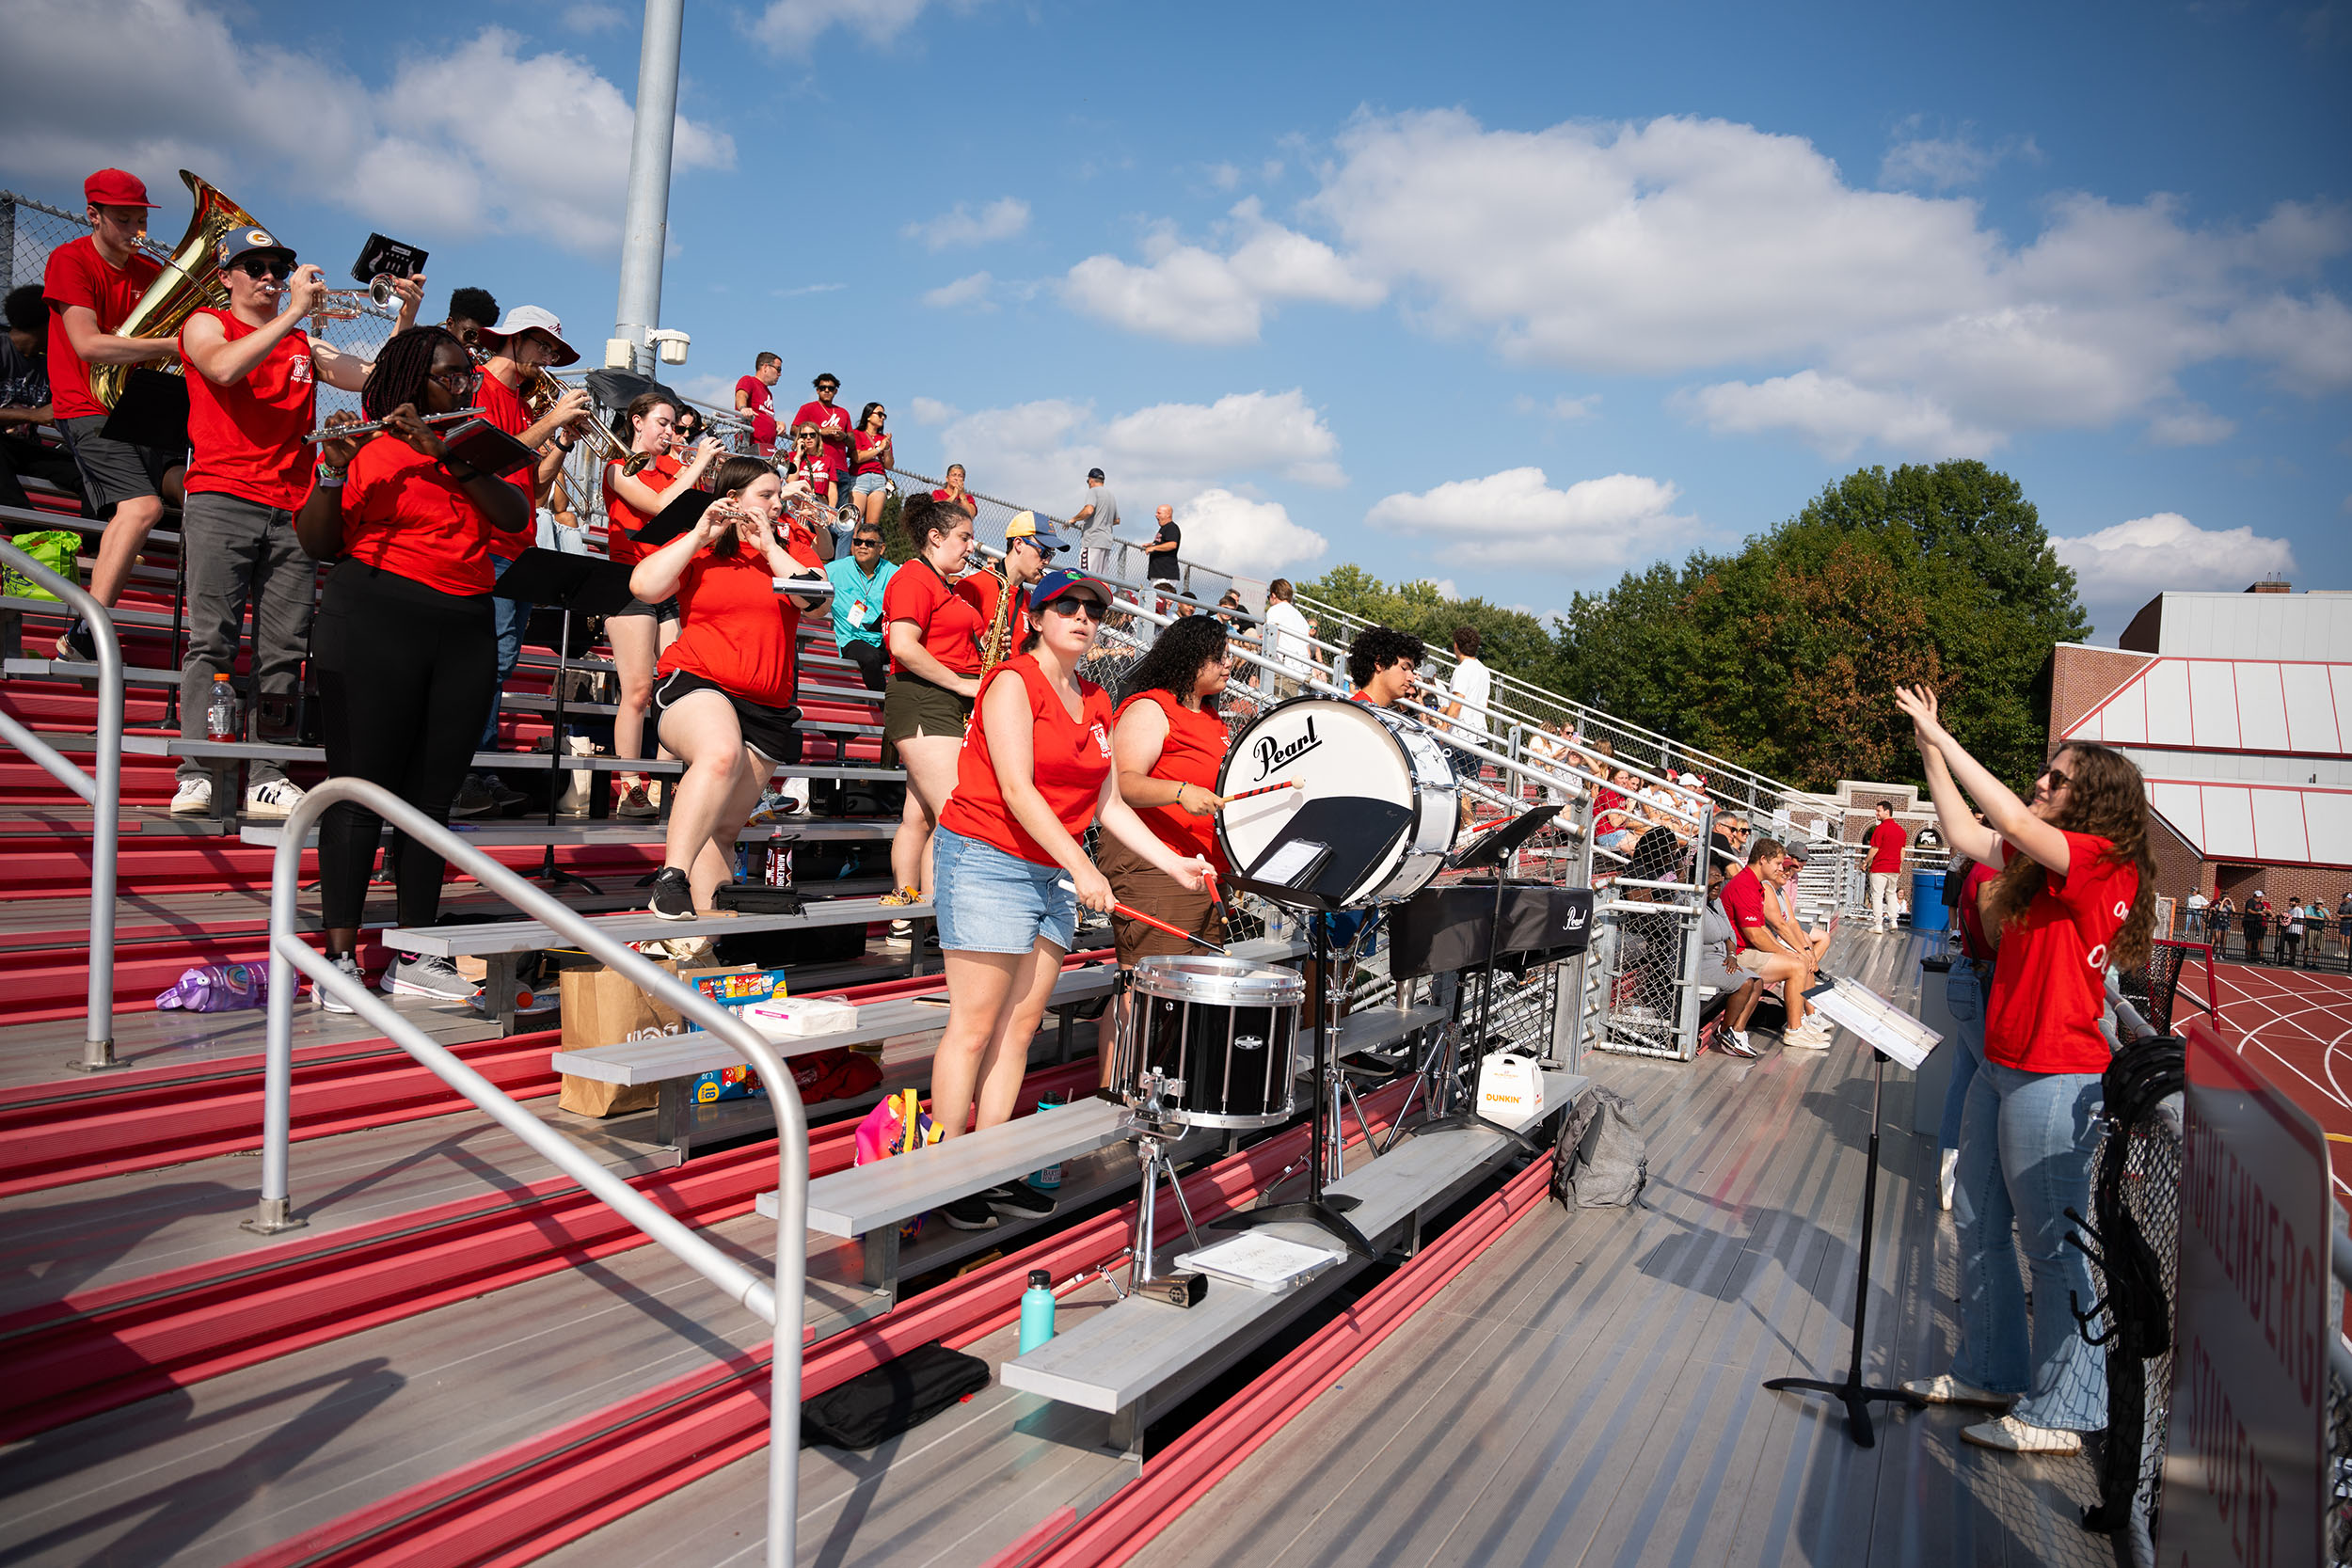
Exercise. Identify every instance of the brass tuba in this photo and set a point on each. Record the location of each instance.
(190, 279)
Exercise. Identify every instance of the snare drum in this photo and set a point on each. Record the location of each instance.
(1223, 1029)
(1373, 787)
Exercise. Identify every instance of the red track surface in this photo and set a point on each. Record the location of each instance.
(2294, 1028)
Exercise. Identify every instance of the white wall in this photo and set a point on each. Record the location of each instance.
(2313, 626)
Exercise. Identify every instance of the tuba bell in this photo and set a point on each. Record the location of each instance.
(190, 281)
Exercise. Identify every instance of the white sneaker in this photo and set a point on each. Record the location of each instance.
(1804, 1039)
(333, 1004)
(1950, 1179)
(2012, 1436)
(1944, 1388)
(274, 802)
(194, 798)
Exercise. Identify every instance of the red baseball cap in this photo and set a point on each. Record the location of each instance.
(114, 187)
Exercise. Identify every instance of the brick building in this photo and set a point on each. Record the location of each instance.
(2238, 709)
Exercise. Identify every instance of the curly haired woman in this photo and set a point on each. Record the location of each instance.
(2075, 894)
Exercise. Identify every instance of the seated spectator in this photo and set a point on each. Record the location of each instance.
(725, 697)
(858, 580)
(1757, 951)
(1615, 818)
(25, 406)
(1734, 987)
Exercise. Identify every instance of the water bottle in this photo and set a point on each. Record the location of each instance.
(220, 713)
(1037, 1310)
(1050, 1178)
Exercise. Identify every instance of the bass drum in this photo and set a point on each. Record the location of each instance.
(1372, 786)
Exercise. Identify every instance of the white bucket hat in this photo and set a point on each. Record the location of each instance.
(529, 318)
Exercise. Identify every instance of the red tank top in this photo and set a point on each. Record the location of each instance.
(621, 519)
(1193, 751)
(1071, 758)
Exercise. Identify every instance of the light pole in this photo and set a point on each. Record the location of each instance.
(645, 225)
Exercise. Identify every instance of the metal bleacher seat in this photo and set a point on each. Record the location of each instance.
(1141, 1353)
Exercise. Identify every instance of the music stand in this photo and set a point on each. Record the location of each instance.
(1871, 1020)
(593, 586)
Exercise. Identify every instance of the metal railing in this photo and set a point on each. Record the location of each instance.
(779, 1303)
(102, 786)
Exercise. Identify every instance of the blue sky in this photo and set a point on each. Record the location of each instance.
(1514, 300)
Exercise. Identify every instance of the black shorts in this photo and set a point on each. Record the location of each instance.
(115, 471)
(666, 611)
(768, 731)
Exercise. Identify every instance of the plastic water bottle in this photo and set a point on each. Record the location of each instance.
(1049, 1178)
(1037, 1310)
(220, 713)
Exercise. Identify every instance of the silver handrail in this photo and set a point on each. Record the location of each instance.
(779, 1304)
(102, 787)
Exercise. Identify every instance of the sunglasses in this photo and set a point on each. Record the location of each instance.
(456, 380)
(827, 387)
(865, 542)
(277, 272)
(1072, 606)
(2056, 776)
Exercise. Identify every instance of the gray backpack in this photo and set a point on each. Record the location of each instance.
(1599, 1161)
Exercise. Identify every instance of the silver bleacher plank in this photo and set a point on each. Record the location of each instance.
(1119, 1356)
(643, 831)
(529, 936)
(865, 1198)
(158, 744)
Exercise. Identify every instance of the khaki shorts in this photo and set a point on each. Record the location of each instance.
(1753, 960)
(913, 707)
(1140, 885)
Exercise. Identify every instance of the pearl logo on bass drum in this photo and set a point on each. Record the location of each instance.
(1274, 755)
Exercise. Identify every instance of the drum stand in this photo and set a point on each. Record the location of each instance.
(1153, 1139)
(1320, 1208)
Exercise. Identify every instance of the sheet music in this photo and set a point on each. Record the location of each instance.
(1289, 862)
(1857, 1008)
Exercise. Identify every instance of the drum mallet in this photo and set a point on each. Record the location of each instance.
(1156, 924)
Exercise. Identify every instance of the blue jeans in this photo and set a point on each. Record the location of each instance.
(1964, 993)
(2025, 1159)
(511, 616)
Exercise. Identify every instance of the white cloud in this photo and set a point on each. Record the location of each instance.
(1515, 519)
(2191, 424)
(1567, 410)
(1835, 416)
(1001, 219)
(972, 291)
(1195, 295)
(2121, 568)
(932, 411)
(1276, 433)
(1236, 534)
(1683, 246)
(594, 17)
(1206, 460)
(1942, 163)
(482, 137)
(794, 27)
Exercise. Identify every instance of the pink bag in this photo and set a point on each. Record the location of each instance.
(883, 1132)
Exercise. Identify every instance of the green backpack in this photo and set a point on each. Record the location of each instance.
(55, 550)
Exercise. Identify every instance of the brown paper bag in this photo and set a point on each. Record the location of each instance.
(602, 1008)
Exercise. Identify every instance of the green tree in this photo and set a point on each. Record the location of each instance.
(1511, 641)
(1781, 656)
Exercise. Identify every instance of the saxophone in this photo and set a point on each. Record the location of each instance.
(997, 641)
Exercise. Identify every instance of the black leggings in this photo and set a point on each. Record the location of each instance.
(407, 675)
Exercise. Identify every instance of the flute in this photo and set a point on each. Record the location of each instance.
(337, 432)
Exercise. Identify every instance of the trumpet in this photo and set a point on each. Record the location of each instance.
(548, 390)
(380, 298)
(340, 432)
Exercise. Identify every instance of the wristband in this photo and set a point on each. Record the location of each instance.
(329, 475)
(327, 481)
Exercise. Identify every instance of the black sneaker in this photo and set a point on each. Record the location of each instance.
(502, 795)
(473, 799)
(970, 1213)
(1018, 1200)
(673, 896)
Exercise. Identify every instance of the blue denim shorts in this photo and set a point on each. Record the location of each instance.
(865, 485)
(992, 902)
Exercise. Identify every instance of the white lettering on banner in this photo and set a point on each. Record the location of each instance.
(2246, 1461)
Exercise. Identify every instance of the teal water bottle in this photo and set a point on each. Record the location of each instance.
(1050, 1177)
(1037, 1311)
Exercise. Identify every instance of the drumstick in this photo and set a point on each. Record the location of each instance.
(1156, 924)
(1261, 789)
